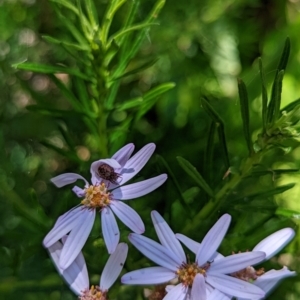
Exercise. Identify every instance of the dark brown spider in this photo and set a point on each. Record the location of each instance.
(107, 172)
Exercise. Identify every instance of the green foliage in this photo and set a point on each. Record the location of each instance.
(245, 114)
(195, 175)
(80, 79)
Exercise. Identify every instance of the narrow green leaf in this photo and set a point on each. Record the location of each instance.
(211, 111)
(20, 207)
(92, 13)
(266, 208)
(46, 69)
(79, 57)
(290, 106)
(118, 135)
(54, 112)
(220, 129)
(67, 137)
(66, 4)
(209, 152)
(288, 213)
(157, 91)
(74, 31)
(66, 92)
(151, 97)
(174, 180)
(264, 95)
(122, 32)
(130, 19)
(49, 111)
(132, 103)
(113, 7)
(72, 45)
(273, 172)
(73, 49)
(144, 66)
(129, 50)
(86, 27)
(195, 175)
(70, 155)
(285, 55)
(244, 103)
(223, 144)
(83, 95)
(110, 53)
(274, 105)
(266, 193)
(275, 98)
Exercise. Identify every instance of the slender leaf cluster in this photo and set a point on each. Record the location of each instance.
(102, 57)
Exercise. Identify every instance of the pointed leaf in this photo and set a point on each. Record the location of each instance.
(112, 8)
(66, 92)
(293, 214)
(157, 91)
(130, 104)
(291, 106)
(264, 95)
(285, 55)
(46, 69)
(220, 129)
(195, 175)
(276, 94)
(209, 152)
(91, 12)
(73, 30)
(122, 32)
(52, 40)
(150, 97)
(70, 155)
(130, 18)
(244, 102)
(130, 48)
(274, 105)
(171, 175)
(273, 172)
(66, 4)
(269, 192)
(85, 24)
(144, 66)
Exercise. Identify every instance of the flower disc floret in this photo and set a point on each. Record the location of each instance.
(96, 196)
(187, 273)
(94, 293)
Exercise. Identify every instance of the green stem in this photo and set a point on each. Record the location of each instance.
(215, 203)
(112, 9)
(100, 91)
(103, 140)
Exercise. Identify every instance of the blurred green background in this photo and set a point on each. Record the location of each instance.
(203, 47)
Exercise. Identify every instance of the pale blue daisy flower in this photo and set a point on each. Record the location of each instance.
(197, 280)
(105, 195)
(271, 245)
(76, 275)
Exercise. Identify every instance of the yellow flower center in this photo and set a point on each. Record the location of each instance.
(94, 293)
(187, 272)
(96, 196)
